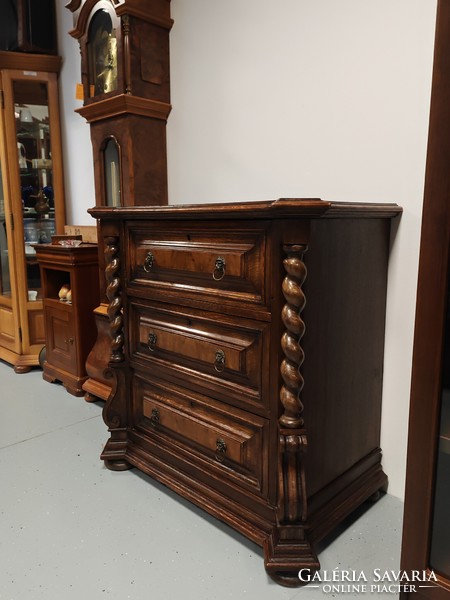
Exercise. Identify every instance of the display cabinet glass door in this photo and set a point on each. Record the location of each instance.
(5, 278)
(34, 155)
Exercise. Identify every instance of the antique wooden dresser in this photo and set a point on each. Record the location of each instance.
(247, 361)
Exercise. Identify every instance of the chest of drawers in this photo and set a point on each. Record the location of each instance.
(246, 359)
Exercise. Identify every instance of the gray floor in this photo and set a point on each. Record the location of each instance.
(71, 529)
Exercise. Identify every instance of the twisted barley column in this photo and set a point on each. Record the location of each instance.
(290, 342)
(113, 293)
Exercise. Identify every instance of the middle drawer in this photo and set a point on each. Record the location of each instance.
(204, 350)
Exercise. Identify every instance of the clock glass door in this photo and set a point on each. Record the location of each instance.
(111, 166)
(102, 54)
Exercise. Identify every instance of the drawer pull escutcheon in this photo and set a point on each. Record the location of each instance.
(221, 448)
(152, 339)
(148, 262)
(154, 419)
(69, 340)
(219, 363)
(219, 269)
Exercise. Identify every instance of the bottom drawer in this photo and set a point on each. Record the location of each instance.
(225, 442)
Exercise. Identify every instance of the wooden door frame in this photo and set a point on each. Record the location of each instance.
(10, 305)
(430, 318)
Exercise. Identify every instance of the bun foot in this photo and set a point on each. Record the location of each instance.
(284, 560)
(88, 397)
(118, 465)
(20, 369)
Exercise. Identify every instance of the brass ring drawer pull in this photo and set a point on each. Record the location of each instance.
(151, 343)
(221, 448)
(154, 419)
(219, 268)
(219, 362)
(148, 262)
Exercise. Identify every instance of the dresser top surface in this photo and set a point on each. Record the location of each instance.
(273, 209)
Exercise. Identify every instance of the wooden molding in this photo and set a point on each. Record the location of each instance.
(30, 62)
(166, 23)
(73, 5)
(124, 104)
(426, 380)
(282, 208)
(156, 12)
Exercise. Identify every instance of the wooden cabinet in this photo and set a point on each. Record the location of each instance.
(426, 528)
(247, 359)
(69, 325)
(31, 197)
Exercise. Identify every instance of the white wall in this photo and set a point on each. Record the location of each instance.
(77, 149)
(323, 98)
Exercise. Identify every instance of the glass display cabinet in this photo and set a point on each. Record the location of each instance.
(31, 198)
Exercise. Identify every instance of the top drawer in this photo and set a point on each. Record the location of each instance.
(198, 259)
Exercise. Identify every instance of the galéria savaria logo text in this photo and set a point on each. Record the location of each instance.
(378, 582)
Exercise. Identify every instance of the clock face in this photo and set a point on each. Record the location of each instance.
(102, 53)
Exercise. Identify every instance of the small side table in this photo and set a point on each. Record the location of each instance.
(70, 330)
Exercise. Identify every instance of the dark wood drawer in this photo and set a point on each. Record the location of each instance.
(225, 265)
(226, 443)
(224, 357)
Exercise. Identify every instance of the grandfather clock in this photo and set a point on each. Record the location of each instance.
(124, 46)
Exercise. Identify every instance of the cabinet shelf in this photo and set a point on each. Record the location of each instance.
(34, 171)
(30, 212)
(56, 302)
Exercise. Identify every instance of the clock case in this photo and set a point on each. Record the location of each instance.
(134, 114)
(131, 119)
